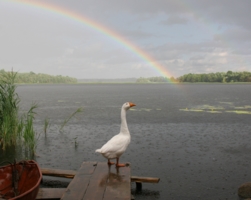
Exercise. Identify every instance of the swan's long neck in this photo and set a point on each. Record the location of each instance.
(123, 127)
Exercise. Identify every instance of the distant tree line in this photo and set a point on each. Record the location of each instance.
(32, 77)
(157, 79)
(220, 77)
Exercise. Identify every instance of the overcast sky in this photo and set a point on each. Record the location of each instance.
(182, 36)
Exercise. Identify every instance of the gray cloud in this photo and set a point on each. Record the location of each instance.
(184, 36)
(174, 20)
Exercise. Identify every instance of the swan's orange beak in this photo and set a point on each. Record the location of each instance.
(131, 104)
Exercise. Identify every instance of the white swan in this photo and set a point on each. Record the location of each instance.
(117, 145)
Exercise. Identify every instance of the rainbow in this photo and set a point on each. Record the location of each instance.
(55, 9)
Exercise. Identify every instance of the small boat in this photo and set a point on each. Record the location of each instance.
(20, 181)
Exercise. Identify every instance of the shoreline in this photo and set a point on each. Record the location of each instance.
(151, 83)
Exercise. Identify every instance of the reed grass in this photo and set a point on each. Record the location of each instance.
(46, 125)
(76, 142)
(9, 101)
(14, 129)
(68, 119)
(29, 134)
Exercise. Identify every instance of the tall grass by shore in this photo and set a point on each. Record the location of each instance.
(15, 129)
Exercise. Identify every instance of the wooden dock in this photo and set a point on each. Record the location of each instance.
(94, 180)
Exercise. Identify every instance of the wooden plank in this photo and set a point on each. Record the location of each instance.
(50, 193)
(101, 182)
(118, 184)
(97, 182)
(77, 188)
(93, 181)
(72, 173)
(58, 172)
(144, 179)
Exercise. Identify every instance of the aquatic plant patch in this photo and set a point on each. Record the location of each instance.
(228, 108)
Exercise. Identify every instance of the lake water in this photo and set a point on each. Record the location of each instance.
(194, 137)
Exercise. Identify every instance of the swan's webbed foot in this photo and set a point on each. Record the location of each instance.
(110, 163)
(121, 164)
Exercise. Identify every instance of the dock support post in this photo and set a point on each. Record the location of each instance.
(138, 186)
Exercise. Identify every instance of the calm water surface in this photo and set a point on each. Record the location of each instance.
(194, 137)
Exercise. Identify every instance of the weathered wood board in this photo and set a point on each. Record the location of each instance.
(100, 182)
(50, 193)
(96, 180)
(58, 172)
(72, 173)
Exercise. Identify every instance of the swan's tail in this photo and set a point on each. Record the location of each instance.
(98, 151)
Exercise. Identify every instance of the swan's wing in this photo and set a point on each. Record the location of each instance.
(116, 144)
